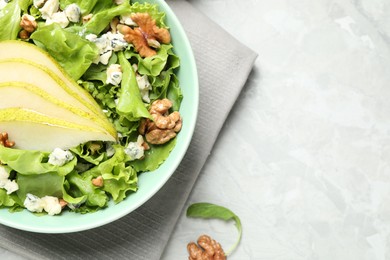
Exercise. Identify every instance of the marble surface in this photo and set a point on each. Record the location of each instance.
(303, 158)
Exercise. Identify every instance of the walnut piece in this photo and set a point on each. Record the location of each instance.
(98, 181)
(206, 249)
(164, 125)
(28, 23)
(146, 36)
(63, 203)
(4, 140)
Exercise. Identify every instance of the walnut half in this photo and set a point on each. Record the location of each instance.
(206, 249)
(147, 36)
(164, 125)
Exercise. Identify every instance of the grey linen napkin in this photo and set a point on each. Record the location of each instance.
(223, 67)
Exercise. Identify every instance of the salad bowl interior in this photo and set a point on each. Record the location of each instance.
(149, 183)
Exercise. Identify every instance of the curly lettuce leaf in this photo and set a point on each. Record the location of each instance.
(5, 199)
(91, 152)
(85, 6)
(152, 9)
(120, 182)
(130, 103)
(81, 186)
(103, 15)
(28, 162)
(71, 51)
(154, 157)
(118, 178)
(33, 184)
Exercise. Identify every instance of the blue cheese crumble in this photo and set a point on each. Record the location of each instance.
(6, 183)
(50, 11)
(143, 84)
(49, 8)
(60, 157)
(114, 74)
(73, 13)
(135, 149)
(49, 204)
(107, 44)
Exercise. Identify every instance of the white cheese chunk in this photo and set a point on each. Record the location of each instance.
(51, 205)
(6, 183)
(135, 149)
(73, 13)
(49, 8)
(107, 44)
(60, 157)
(33, 203)
(114, 74)
(38, 3)
(144, 87)
(59, 18)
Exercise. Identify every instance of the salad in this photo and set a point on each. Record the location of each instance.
(121, 53)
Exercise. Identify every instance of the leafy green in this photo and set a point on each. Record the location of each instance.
(212, 211)
(27, 162)
(104, 16)
(118, 178)
(5, 199)
(130, 105)
(71, 51)
(122, 104)
(9, 19)
(81, 186)
(152, 9)
(33, 184)
(154, 157)
(85, 6)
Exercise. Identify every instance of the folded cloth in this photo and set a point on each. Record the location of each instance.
(223, 67)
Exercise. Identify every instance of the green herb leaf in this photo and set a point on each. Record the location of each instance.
(211, 211)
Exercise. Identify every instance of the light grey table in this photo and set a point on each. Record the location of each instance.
(304, 157)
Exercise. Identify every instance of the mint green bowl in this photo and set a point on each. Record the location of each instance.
(149, 182)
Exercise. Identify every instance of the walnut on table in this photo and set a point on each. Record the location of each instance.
(147, 36)
(206, 249)
(164, 125)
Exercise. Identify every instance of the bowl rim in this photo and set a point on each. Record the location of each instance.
(180, 151)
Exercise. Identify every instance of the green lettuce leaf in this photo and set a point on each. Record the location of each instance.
(72, 52)
(118, 178)
(154, 157)
(120, 182)
(91, 152)
(9, 19)
(53, 184)
(130, 103)
(102, 16)
(28, 162)
(152, 9)
(85, 6)
(5, 199)
(81, 186)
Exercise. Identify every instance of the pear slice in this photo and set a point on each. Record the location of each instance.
(26, 69)
(35, 131)
(20, 71)
(13, 49)
(20, 94)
